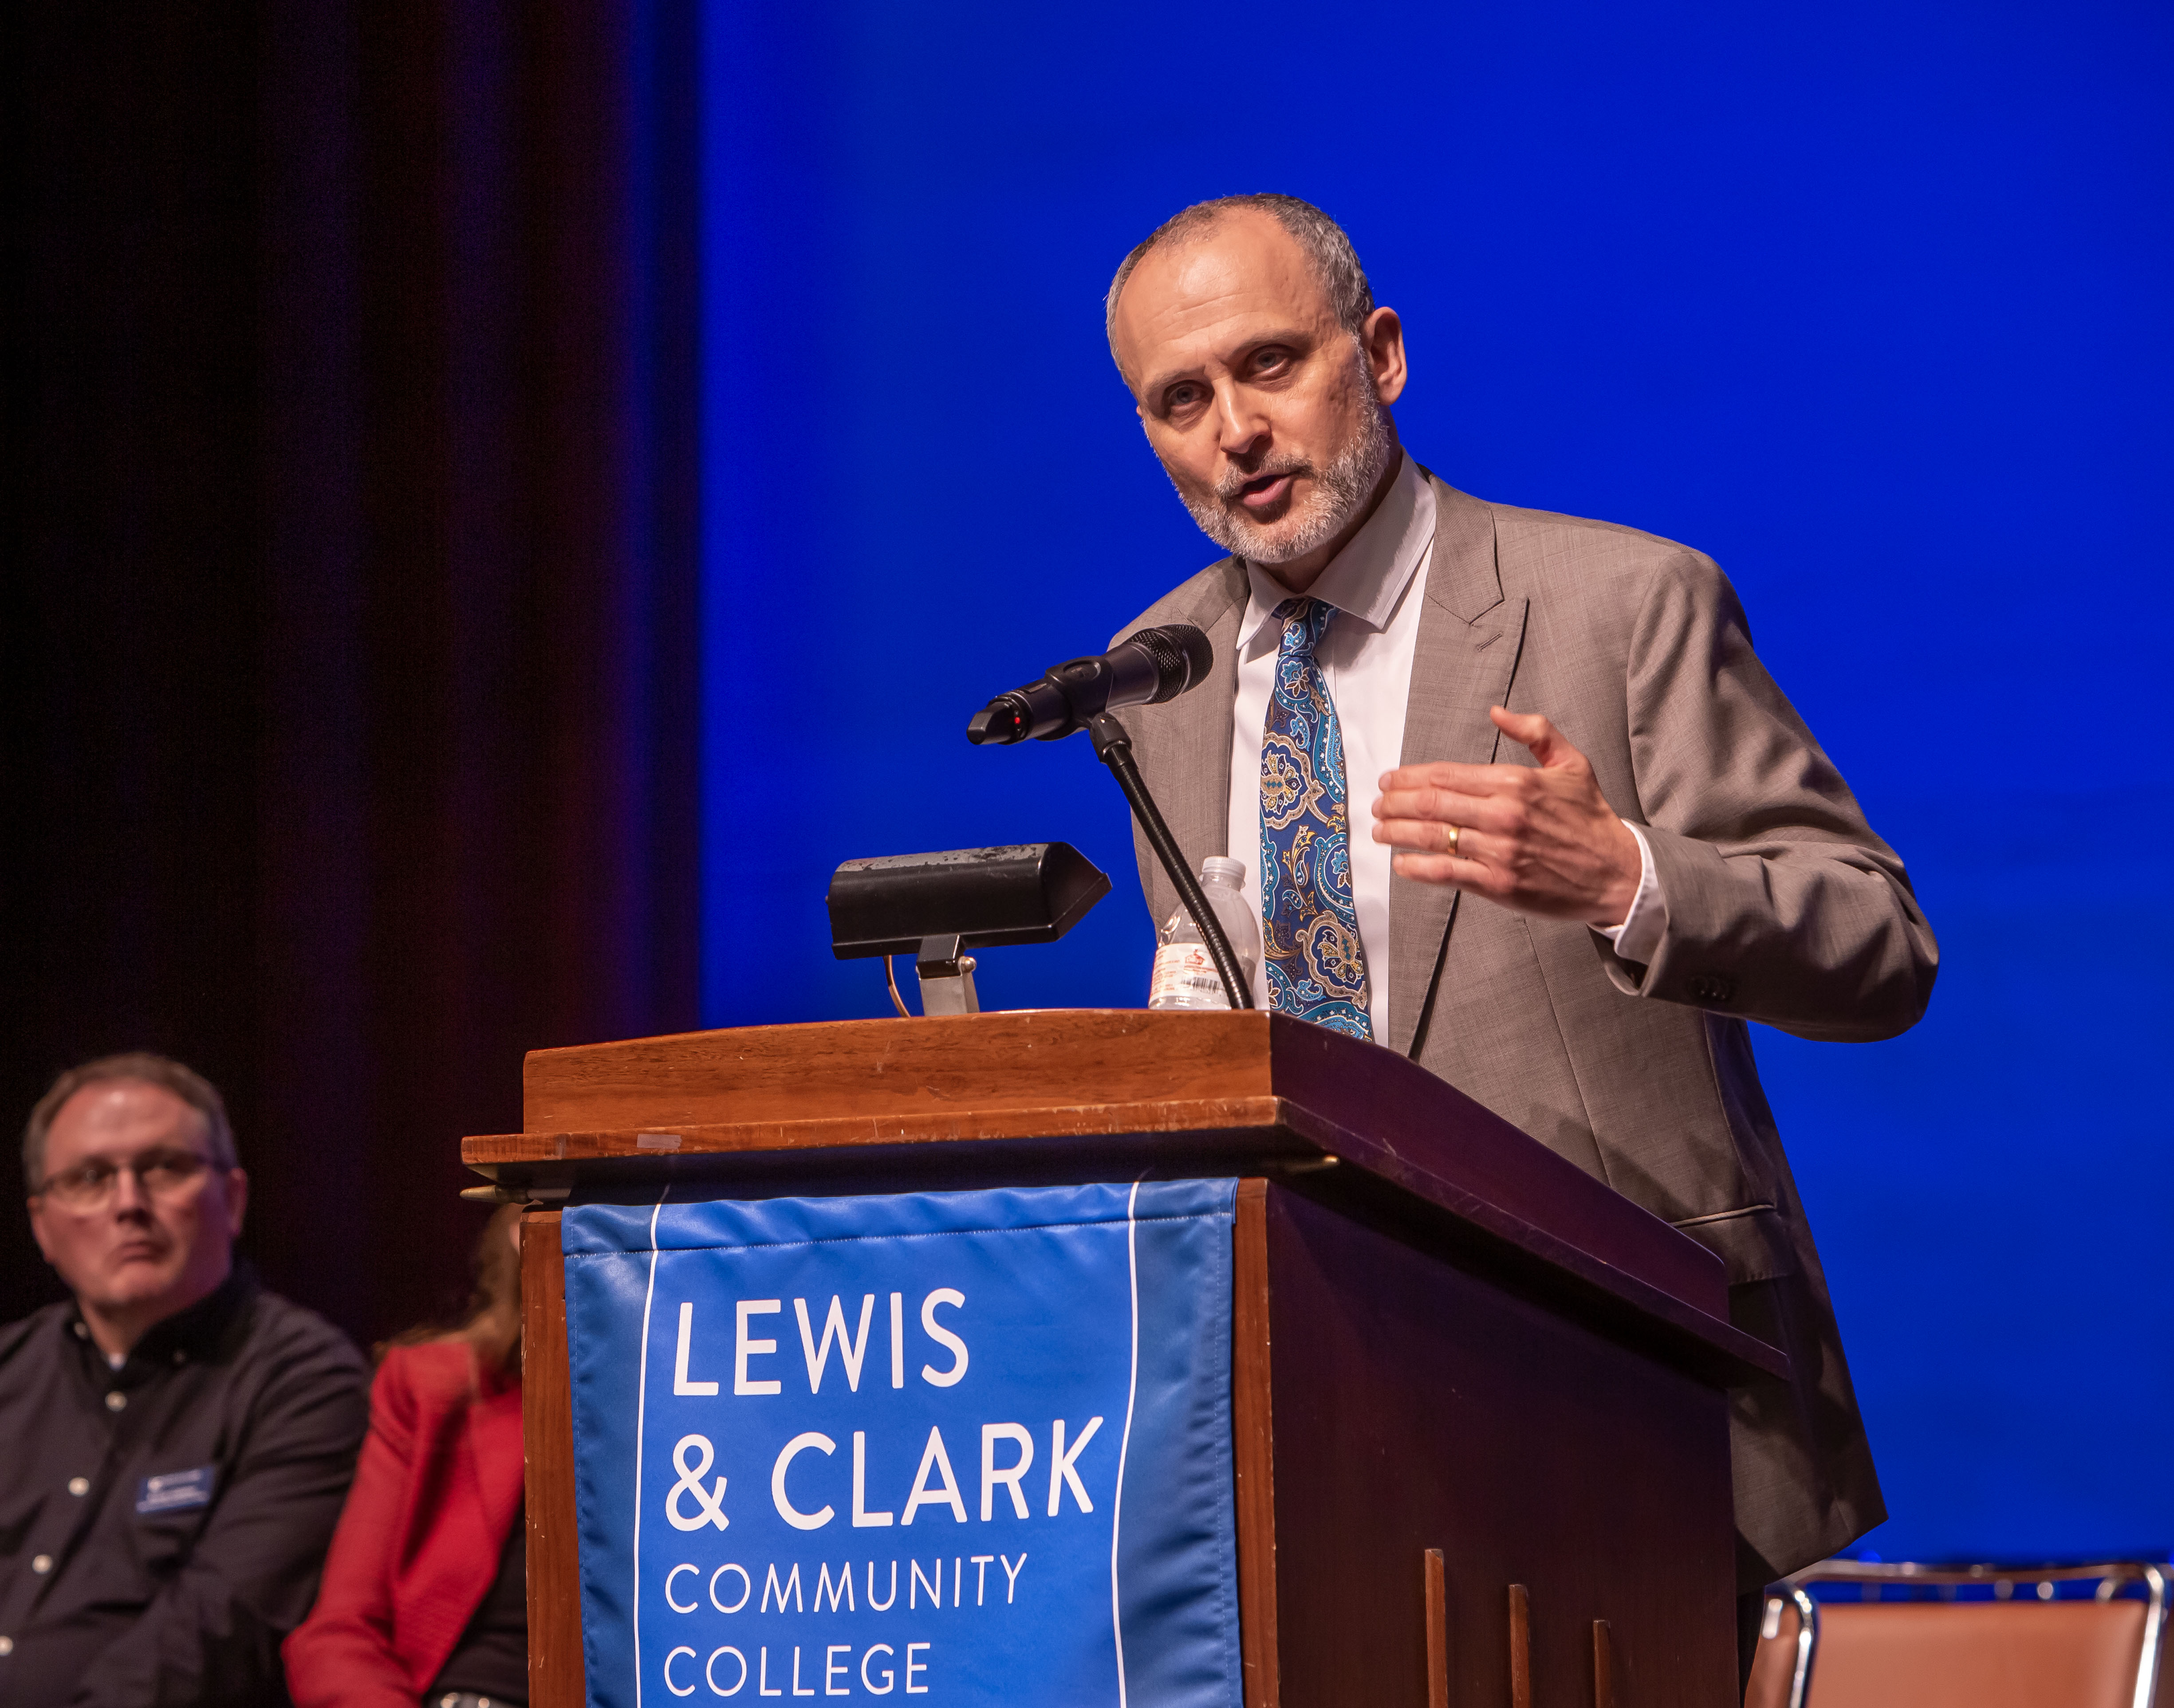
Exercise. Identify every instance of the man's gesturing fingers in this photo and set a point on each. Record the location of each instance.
(1537, 736)
(1540, 840)
(1407, 799)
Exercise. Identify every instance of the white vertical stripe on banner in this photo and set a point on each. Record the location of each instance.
(640, 1424)
(1132, 1390)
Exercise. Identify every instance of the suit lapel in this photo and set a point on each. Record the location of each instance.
(1461, 664)
(1184, 745)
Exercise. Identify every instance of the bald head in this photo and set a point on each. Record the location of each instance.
(1322, 241)
(1237, 262)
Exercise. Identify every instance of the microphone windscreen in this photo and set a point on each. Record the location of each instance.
(1198, 654)
(1181, 655)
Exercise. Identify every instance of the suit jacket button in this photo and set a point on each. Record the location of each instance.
(1714, 992)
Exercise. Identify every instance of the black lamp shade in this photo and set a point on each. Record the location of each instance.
(985, 897)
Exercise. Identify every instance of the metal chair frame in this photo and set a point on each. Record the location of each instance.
(1808, 1634)
(2002, 1578)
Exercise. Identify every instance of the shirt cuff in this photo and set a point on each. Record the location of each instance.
(1647, 921)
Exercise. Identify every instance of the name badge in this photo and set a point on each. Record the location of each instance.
(175, 1491)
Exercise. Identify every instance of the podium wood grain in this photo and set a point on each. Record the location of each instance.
(557, 1675)
(1253, 1445)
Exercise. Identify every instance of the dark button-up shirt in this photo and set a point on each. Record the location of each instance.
(162, 1525)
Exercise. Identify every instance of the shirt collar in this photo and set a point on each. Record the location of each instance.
(186, 1335)
(1367, 579)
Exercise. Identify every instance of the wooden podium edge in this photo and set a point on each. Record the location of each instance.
(1233, 1135)
(558, 1673)
(1252, 1446)
(524, 1153)
(1710, 1346)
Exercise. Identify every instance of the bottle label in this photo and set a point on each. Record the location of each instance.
(1185, 977)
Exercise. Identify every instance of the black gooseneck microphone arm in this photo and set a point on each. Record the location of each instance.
(1114, 747)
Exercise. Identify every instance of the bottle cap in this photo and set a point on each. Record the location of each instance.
(1222, 865)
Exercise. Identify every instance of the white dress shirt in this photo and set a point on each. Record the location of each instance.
(1377, 584)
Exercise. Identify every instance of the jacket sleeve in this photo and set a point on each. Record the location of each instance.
(342, 1656)
(211, 1633)
(1782, 905)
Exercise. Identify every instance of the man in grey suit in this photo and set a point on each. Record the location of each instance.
(1601, 841)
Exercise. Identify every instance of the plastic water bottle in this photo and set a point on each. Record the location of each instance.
(1185, 975)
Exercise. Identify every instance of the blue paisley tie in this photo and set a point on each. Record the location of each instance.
(1316, 965)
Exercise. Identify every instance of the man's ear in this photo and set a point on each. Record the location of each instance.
(36, 1207)
(1384, 339)
(237, 1201)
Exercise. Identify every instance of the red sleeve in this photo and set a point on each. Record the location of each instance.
(342, 1656)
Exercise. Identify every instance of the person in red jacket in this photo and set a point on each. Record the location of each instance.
(425, 1598)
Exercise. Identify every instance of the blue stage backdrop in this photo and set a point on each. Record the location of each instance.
(1869, 301)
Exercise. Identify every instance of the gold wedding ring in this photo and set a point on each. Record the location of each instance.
(1455, 831)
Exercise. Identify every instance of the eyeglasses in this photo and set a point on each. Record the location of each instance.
(160, 1174)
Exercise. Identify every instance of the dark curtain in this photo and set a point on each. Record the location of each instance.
(347, 604)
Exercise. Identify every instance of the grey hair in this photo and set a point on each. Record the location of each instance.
(1335, 261)
(137, 1065)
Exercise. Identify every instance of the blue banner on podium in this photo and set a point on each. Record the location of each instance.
(969, 1447)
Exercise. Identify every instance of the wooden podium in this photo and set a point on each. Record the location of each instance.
(1480, 1401)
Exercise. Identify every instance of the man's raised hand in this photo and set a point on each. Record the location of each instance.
(1540, 841)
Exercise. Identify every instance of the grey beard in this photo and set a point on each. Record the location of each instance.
(1346, 483)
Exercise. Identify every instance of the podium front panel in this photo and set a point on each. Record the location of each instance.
(1475, 1446)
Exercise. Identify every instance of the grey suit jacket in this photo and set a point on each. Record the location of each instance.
(1783, 906)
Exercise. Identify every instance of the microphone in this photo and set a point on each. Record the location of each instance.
(1143, 669)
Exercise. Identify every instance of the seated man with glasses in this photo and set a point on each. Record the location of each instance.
(174, 1442)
